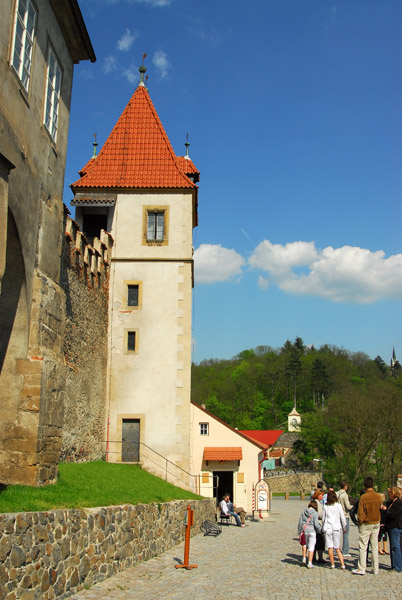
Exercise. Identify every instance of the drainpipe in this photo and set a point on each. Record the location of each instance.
(264, 456)
(107, 440)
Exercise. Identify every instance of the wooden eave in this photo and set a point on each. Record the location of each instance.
(73, 28)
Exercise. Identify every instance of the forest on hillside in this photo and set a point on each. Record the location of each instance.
(351, 405)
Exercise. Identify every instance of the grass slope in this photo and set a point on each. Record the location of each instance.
(92, 484)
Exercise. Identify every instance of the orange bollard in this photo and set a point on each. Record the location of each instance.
(189, 523)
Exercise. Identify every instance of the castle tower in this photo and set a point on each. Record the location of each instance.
(146, 197)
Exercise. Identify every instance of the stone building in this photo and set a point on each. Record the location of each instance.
(39, 44)
(146, 197)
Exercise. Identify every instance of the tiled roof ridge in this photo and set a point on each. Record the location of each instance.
(121, 128)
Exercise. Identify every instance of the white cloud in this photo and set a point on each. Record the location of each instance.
(263, 283)
(213, 263)
(161, 62)
(346, 274)
(208, 35)
(155, 2)
(126, 41)
(109, 64)
(131, 73)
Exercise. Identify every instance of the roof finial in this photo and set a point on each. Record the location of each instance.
(142, 71)
(94, 144)
(187, 144)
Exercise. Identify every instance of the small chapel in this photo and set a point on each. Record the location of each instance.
(145, 196)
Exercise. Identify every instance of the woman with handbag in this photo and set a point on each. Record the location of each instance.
(307, 528)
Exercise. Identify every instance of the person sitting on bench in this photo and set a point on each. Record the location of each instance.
(226, 507)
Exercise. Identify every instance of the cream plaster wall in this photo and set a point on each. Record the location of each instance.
(222, 436)
(153, 383)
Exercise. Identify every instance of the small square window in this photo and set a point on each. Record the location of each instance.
(132, 295)
(204, 429)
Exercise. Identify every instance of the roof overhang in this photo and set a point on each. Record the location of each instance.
(73, 28)
(223, 454)
(93, 199)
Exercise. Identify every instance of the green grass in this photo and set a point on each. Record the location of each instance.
(92, 484)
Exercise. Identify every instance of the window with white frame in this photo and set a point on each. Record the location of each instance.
(52, 100)
(204, 429)
(23, 39)
(156, 226)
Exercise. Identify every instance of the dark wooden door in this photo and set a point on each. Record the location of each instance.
(130, 448)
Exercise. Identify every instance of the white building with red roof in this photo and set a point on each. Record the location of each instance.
(146, 197)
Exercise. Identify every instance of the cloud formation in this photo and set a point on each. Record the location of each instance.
(161, 62)
(126, 41)
(213, 263)
(109, 64)
(347, 274)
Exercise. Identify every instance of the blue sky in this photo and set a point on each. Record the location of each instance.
(293, 110)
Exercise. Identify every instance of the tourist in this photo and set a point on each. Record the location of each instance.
(320, 541)
(309, 525)
(393, 524)
(239, 510)
(226, 511)
(343, 500)
(368, 517)
(382, 534)
(320, 486)
(333, 522)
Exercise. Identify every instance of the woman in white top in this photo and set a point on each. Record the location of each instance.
(332, 523)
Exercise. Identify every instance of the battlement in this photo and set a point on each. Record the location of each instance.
(93, 259)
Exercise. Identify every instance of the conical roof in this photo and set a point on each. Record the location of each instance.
(137, 153)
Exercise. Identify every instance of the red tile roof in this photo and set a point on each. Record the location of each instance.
(267, 437)
(276, 453)
(137, 153)
(221, 454)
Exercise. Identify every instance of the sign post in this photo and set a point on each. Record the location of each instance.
(189, 524)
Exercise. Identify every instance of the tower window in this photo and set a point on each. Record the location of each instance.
(132, 295)
(131, 341)
(156, 226)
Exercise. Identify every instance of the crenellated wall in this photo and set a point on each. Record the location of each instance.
(85, 281)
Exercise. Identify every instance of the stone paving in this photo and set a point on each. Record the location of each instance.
(255, 563)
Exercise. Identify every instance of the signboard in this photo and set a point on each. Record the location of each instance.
(262, 495)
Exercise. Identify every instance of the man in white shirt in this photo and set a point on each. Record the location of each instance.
(225, 509)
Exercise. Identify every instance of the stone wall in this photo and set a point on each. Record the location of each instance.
(85, 280)
(291, 482)
(46, 555)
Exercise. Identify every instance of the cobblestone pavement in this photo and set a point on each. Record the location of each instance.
(255, 563)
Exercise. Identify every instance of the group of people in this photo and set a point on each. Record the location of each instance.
(327, 519)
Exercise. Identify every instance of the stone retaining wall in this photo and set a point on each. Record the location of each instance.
(47, 555)
(292, 483)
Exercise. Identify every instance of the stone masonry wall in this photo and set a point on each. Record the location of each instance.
(47, 555)
(292, 483)
(85, 280)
